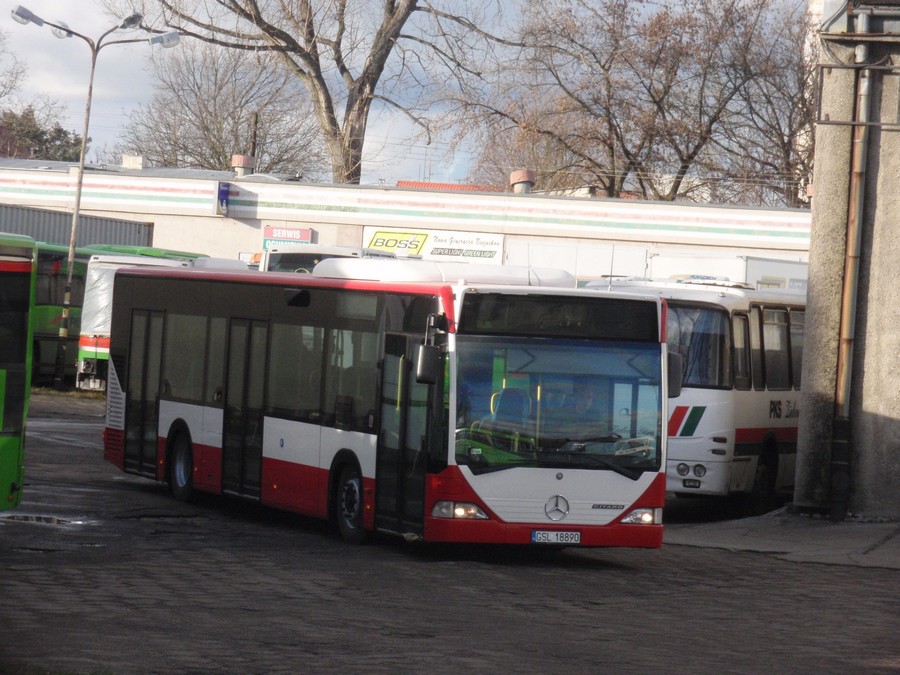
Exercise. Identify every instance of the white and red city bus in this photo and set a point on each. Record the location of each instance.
(438, 411)
(733, 429)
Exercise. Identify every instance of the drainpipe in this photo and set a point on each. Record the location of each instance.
(841, 432)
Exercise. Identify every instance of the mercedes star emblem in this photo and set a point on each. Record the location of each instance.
(556, 507)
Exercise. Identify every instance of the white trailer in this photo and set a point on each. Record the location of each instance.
(756, 272)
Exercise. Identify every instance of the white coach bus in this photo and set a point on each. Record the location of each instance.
(733, 429)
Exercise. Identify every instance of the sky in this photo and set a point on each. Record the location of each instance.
(60, 69)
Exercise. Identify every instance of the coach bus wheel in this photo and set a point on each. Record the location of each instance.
(181, 467)
(762, 498)
(350, 506)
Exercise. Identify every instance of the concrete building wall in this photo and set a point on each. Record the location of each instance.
(187, 215)
(868, 483)
(875, 459)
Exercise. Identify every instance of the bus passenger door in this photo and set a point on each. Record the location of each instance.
(144, 364)
(243, 415)
(401, 457)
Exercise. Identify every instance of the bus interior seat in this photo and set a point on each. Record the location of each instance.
(512, 406)
(508, 427)
(343, 412)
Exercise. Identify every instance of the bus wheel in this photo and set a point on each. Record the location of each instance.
(350, 506)
(762, 499)
(181, 468)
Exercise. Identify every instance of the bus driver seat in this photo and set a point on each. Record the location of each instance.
(512, 406)
(506, 427)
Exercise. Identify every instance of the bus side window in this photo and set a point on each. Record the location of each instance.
(295, 361)
(798, 325)
(775, 345)
(756, 355)
(741, 352)
(351, 380)
(183, 362)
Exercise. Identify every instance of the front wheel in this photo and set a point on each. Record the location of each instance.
(181, 468)
(349, 509)
(762, 498)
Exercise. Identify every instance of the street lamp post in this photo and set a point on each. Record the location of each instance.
(25, 16)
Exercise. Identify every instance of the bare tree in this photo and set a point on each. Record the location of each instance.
(347, 53)
(764, 153)
(636, 90)
(560, 89)
(212, 102)
(557, 169)
(12, 71)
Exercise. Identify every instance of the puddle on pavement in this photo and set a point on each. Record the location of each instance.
(45, 520)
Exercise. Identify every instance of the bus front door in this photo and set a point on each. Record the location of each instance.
(243, 416)
(401, 457)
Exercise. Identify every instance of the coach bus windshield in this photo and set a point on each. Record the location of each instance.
(701, 336)
(560, 403)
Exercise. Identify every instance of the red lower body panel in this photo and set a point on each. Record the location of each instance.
(452, 486)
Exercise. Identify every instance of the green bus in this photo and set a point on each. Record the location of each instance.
(146, 251)
(50, 289)
(52, 273)
(18, 256)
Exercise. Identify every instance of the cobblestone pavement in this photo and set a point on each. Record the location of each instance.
(106, 573)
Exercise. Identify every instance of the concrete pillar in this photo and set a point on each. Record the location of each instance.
(826, 259)
(871, 482)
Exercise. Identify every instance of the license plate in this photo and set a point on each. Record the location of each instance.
(555, 537)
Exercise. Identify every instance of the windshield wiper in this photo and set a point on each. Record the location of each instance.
(597, 459)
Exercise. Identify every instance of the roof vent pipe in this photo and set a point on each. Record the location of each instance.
(522, 180)
(243, 165)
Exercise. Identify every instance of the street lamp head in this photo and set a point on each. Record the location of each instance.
(132, 21)
(25, 16)
(166, 40)
(61, 30)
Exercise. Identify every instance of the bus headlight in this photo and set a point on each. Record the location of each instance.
(459, 510)
(643, 517)
(682, 469)
(699, 471)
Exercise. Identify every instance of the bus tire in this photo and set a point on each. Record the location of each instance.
(762, 498)
(181, 468)
(349, 507)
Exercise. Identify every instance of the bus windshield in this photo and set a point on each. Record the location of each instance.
(560, 403)
(701, 336)
(14, 297)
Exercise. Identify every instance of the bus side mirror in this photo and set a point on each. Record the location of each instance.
(428, 364)
(676, 365)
